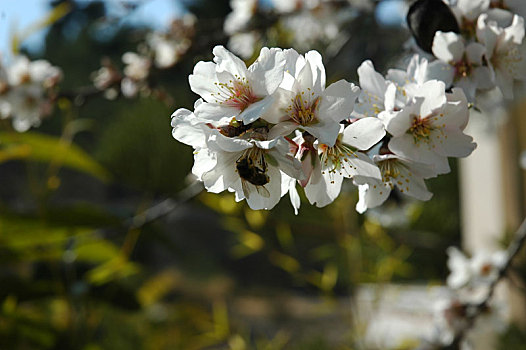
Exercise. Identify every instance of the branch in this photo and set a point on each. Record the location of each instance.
(164, 207)
(474, 310)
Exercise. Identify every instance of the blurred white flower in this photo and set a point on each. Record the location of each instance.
(505, 50)
(459, 65)
(25, 90)
(137, 66)
(243, 44)
(242, 13)
(40, 72)
(479, 271)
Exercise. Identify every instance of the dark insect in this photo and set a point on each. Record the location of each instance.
(233, 131)
(250, 172)
(426, 17)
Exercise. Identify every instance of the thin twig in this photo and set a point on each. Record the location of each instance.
(164, 207)
(477, 309)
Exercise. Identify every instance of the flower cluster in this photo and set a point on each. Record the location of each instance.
(489, 52)
(26, 90)
(471, 281)
(260, 131)
(161, 50)
(307, 23)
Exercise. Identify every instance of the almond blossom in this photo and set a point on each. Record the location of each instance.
(302, 101)
(481, 270)
(409, 81)
(25, 91)
(405, 175)
(459, 64)
(136, 72)
(377, 95)
(467, 12)
(431, 128)
(230, 89)
(248, 163)
(505, 50)
(326, 166)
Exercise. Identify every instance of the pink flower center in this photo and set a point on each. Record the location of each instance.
(236, 93)
(462, 69)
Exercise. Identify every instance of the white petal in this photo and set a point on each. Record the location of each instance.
(364, 133)
(412, 185)
(474, 53)
(420, 152)
(219, 142)
(360, 165)
(267, 72)
(372, 193)
(325, 191)
(434, 94)
(228, 62)
(441, 71)
(370, 80)
(256, 110)
(448, 47)
(471, 9)
(203, 80)
(515, 32)
(282, 129)
(304, 78)
(215, 112)
(398, 123)
(337, 101)
(458, 144)
(455, 112)
(185, 131)
(318, 70)
(326, 131)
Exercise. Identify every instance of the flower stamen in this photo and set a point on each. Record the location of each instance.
(236, 93)
(303, 111)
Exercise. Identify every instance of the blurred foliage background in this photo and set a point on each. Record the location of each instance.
(78, 272)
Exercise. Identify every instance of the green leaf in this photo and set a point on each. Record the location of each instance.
(54, 15)
(44, 148)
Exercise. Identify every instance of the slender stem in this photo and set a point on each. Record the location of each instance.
(477, 309)
(164, 207)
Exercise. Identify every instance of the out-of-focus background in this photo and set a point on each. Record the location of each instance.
(82, 268)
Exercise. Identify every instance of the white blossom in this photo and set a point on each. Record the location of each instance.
(505, 50)
(302, 101)
(408, 82)
(481, 270)
(243, 44)
(326, 166)
(459, 65)
(405, 175)
(230, 89)
(249, 164)
(25, 90)
(242, 13)
(377, 94)
(136, 72)
(431, 128)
